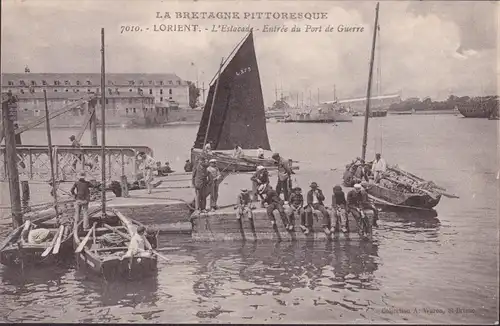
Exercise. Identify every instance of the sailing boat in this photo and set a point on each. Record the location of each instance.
(397, 187)
(234, 114)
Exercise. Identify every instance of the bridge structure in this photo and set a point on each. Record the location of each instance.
(33, 162)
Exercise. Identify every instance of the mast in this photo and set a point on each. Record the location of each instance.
(49, 142)
(213, 101)
(368, 92)
(103, 126)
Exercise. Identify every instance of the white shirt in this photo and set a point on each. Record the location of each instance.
(315, 198)
(260, 152)
(379, 165)
(138, 243)
(238, 152)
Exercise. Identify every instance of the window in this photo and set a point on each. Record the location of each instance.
(44, 82)
(11, 83)
(66, 89)
(22, 91)
(130, 90)
(161, 82)
(89, 82)
(55, 90)
(170, 82)
(116, 91)
(131, 82)
(170, 98)
(21, 82)
(107, 101)
(150, 82)
(178, 82)
(150, 91)
(134, 110)
(157, 111)
(57, 83)
(170, 91)
(33, 83)
(78, 83)
(161, 91)
(109, 90)
(161, 99)
(88, 90)
(66, 82)
(126, 111)
(141, 82)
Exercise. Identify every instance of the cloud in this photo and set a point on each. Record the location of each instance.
(426, 49)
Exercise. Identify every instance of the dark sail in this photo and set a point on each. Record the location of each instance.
(238, 116)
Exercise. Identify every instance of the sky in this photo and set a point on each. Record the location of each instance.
(424, 48)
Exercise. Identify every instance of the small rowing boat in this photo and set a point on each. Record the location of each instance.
(101, 248)
(36, 242)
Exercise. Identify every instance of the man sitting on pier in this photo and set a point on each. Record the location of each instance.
(315, 199)
(296, 207)
(139, 245)
(243, 203)
(339, 208)
(272, 202)
(358, 201)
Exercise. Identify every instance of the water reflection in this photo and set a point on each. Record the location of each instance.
(278, 268)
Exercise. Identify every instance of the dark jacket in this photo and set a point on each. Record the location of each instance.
(81, 190)
(338, 198)
(272, 197)
(284, 170)
(321, 197)
(200, 176)
(355, 199)
(296, 200)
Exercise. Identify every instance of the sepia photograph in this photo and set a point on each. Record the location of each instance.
(249, 162)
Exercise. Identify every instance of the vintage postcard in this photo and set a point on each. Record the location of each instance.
(259, 162)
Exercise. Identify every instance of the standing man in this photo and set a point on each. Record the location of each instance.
(315, 199)
(284, 173)
(75, 144)
(81, 192)
(238, 151)
(214, 177)
(200, 184)
(379, 167)
(208, 148)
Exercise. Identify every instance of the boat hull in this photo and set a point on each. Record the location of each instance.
(329, 117)
(402, 198)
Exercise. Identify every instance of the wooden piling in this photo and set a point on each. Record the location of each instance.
(124, 184)
(9, 114)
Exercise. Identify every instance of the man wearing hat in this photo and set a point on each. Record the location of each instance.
(75, 144)
(214, 178)
(379, 166)
(315, 199)
(357, 202)
(81, 192)
(243, 205)
(296, 207)
(273, 202)
(261, 176)
(284, 172)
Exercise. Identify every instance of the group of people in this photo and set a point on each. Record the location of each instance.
(359, 171)
(355, 203)
(206, 178)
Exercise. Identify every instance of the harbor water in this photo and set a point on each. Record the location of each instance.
(419, 269)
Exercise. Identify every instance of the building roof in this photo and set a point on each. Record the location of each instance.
(95, 79)
(76, 96)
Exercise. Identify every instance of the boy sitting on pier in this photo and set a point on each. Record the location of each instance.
(272, 202)
(243, 205)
